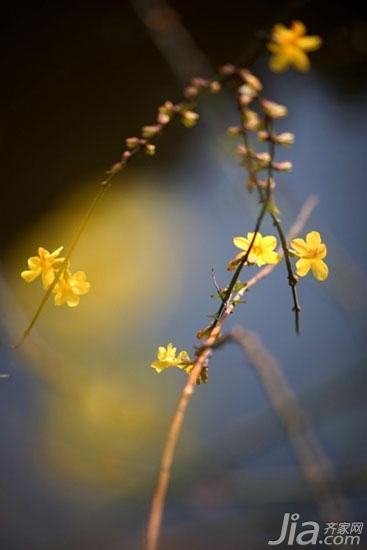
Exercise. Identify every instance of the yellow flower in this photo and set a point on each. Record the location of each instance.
(70, 287)
(166, 357)
(262, 251)
(45, 265)
(288, 46)
(311, 253)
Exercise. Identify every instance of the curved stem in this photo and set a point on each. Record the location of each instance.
(159, 496)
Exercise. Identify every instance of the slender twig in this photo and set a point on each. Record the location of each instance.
(263, 196)
(265, 200)
(292, 280)
(101, 192)
(103, 187)
(160, 492)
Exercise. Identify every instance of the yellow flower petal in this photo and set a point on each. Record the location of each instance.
(80, 283)
(268, 242)
(161, 353)
(258, 238)
(29, 276)
(309, 43)
(56, 252)
(281, 33)
(298, 28)
(300, 60)
(241, 242)
(158, 366)
(299, 246)
(34, 262)
(303, 267)
(273, 47)
(313, 239)
(171, 350)
(258, 260)
(42, 252)
(278, 63)
(270, 257)
(319, 269)
(73, 300)
(321, 251)
(58, 299)
(48, 276)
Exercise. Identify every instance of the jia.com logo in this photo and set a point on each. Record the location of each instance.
(296, 533)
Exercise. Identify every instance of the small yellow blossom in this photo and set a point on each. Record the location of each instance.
(45, 264)
(70, 287)
(262, 251)
(289, 47)
(166, 357)
(311, 253)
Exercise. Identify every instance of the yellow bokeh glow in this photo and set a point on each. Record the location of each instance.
(101, 422)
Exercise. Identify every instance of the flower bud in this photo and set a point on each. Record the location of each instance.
(215, 87)
(150, 149)
(285, 166)
(199, 82)
(286, 138)
(246, 95)
(251, 80)
(189, 118)
(132, 142)
(167, 108)
(272, 109)
(251, 120)
(163, 118)
(227, 70)
(190, 92)
(150, 131)
(241, 151)
(263, 159)
(263, 135)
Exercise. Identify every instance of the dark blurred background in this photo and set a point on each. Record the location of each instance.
(83, 418)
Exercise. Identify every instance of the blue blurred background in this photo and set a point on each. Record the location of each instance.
(83, 417)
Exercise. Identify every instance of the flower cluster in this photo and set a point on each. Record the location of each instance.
(68, 287)
(289, 47)
(311, 253)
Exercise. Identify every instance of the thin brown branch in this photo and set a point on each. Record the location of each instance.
(265, 197)
(160, 492)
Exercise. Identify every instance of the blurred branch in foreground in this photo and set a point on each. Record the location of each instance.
(315, 466)
(172, 39)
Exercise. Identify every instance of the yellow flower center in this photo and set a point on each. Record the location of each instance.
(313, 253)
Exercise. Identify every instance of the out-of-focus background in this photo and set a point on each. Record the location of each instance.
(83, 417)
